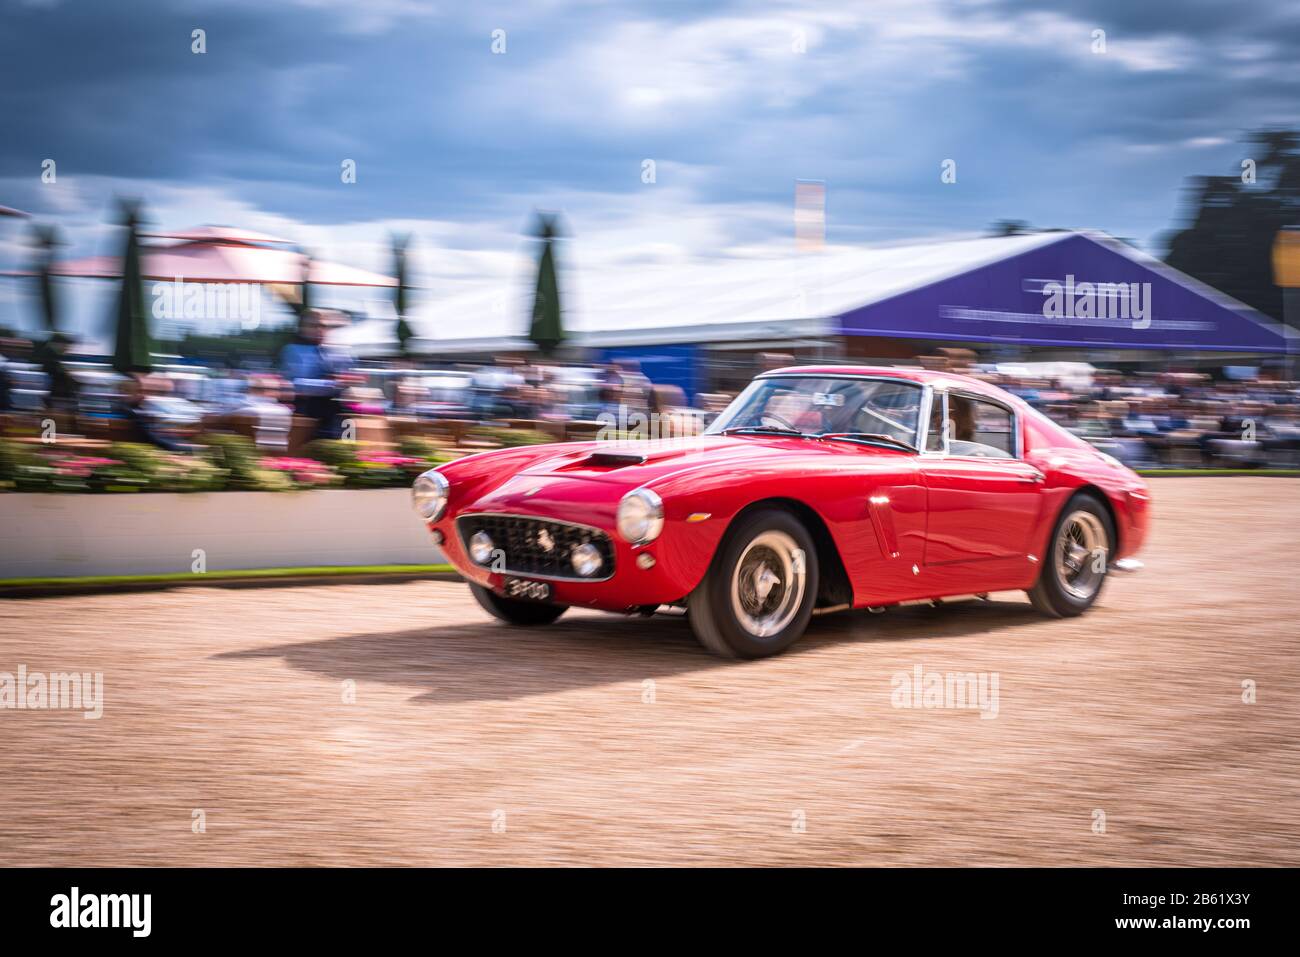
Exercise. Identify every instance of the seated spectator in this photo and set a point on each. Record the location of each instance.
(4, 381)
(49, 356)
(159, 418)
(271, 418)
(611, 402)
(633, 386)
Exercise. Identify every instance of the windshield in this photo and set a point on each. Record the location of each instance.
(817, 405)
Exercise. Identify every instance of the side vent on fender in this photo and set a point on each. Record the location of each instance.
(882, 520)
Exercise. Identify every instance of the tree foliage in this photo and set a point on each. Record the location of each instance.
(1233, 221)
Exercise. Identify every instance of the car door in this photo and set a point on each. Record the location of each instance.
(983, 500)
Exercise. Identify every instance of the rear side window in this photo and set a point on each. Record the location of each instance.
(993, 428)
(980, 428)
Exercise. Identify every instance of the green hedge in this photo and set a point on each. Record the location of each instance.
(506, 437)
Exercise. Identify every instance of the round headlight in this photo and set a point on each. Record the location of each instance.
(481, 547)
(429, 495)
(586, 559)
(640, 516)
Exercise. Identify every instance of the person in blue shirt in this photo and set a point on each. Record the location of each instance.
(313, 368)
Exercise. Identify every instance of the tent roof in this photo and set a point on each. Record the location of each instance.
(721, 293)
(1084, 289)
(209, 261)
(815, 294)
(221, 234)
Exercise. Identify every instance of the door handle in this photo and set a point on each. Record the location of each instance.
(1036, 477)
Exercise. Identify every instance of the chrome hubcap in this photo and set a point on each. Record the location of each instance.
(1082, 552)
(767, 585)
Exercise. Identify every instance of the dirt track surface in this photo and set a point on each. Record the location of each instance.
(230, 702)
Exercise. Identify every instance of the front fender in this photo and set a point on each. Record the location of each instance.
(839, 493)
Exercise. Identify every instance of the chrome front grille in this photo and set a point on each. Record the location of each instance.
(537, 547)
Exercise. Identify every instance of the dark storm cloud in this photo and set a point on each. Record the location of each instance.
(442, 129)
(1193, 17)
(282, 96)
(123, 95)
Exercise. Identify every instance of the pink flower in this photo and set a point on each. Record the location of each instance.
(289, 464)
(87, 461)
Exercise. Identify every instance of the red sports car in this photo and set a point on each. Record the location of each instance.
(818, 488)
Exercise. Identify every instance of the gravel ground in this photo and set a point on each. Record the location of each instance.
(228, 736)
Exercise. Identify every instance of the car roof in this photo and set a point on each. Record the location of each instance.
(909, 373)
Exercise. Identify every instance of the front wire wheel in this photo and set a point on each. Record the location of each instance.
(515, 612)
(758, 595)
(768, 584)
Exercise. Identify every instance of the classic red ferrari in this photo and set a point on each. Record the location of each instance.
(817, 489)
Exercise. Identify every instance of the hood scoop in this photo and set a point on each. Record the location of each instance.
(592, 462)
(615, 459)
(618, 457)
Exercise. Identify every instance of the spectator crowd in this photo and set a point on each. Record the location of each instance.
(1174, 420)
(316, 390)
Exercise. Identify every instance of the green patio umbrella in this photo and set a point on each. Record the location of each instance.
(133, 349)
(547, 330)
(46, 240)
(404, 332)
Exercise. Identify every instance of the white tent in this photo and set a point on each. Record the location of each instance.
(757, 297)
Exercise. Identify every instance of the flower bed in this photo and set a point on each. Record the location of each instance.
(221, 463)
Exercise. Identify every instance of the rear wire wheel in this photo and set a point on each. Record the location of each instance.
(1073, 570)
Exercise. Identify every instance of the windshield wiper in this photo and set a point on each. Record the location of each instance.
(766, 430)
(869, 437)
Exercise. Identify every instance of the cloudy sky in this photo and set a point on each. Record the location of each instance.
(731, 101)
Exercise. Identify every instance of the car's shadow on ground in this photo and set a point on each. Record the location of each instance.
(488, 661)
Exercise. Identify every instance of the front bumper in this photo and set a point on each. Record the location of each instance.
(681, 556)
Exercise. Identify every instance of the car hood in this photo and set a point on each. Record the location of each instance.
(632, 464)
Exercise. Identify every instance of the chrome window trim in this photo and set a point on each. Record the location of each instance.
(464, 546)
(933, 394)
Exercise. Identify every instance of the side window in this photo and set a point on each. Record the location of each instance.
(981, 428)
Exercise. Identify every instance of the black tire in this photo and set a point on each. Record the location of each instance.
(1054, 594)
(514, 612)
(710, 608)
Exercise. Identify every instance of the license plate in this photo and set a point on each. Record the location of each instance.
(526, 590)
